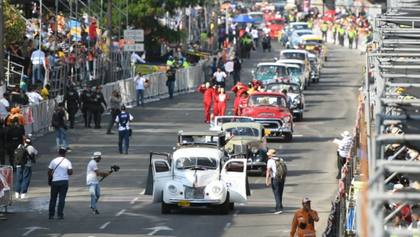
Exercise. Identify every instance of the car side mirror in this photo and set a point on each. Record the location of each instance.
(275, 59)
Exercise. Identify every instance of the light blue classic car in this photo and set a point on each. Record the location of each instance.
(267, 71)
(296, 38)
(296, 75)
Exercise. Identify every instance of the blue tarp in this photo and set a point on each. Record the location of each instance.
(243, 19)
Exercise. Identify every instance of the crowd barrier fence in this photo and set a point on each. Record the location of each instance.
(6, 184)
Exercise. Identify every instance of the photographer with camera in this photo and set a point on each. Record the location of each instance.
(304, 220)
(115, 101)
(92, 181)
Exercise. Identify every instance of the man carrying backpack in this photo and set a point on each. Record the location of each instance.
(276, 172)
(24, 156)
(123, 121)
(58, 122)
(14, 137)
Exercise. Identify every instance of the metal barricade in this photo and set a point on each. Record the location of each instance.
(6, 181)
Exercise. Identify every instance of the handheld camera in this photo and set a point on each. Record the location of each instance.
(114, 168)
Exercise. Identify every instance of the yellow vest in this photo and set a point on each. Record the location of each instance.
(324, 27)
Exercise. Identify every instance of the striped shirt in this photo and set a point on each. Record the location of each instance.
(344, 146)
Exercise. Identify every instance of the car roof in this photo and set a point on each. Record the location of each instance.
(246, 124)
(197, 151)
(271, 64)
(298, 23)
(311, 37)
(201, 133)
(293, 65)
(303, 30)
(294, 51)
(286, 61)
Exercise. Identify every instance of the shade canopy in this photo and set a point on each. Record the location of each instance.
(243, 19)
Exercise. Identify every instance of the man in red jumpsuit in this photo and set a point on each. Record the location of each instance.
(208, 94)
(216, 92)
(243, 101)
(238, 89)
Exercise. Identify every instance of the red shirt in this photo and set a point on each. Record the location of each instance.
(92, 31)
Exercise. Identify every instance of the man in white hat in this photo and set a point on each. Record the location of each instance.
(92, 181)
(277, 183)
(343, 149)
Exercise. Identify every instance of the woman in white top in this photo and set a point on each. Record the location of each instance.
(222, 97)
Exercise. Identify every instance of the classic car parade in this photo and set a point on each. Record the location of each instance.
(218, 121)
(267, 71)
(198, 174)
(309, 42)
(296, 37)
(270, 110)
(294, 91)
(249, 141)
(304, 69)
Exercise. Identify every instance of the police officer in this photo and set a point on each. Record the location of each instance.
(341, 34)
(96, 106)
(324, 29)
(73, 102)
(85, 96)
(115, 101)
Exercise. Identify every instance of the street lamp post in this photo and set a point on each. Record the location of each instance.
(2, 72)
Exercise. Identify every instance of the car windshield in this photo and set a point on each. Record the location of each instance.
(293, 55)
(266, 100)
(291, 88)
(313, 41)
(222, 120)
(276, 22)
(196, 139)
(271, 69)
(243, 131)
(300, 27)
(293, 70)
(256, 16)
(201, 162)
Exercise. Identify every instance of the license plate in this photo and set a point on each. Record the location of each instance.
(183, 203)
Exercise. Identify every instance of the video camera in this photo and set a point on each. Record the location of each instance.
(114, 168)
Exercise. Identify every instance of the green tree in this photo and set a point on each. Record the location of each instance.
(14, 26)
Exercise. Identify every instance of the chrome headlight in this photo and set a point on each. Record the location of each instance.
(254, 150)
(172, 189)
(286, 119)
(229, 150)
(216, 189)
(297, 100)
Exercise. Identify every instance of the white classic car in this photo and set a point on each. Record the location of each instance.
(218, 121)
(198, 174)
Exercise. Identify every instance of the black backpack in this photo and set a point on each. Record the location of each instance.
(55, 121)
(20, 155)
(281, 168)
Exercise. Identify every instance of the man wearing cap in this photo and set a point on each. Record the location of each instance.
(92, 181)
(343, 149)
(303, 221)
(115, 101)
(276, 184)
(86, 96)
(170, 83)
(123, 121)
(59, 169)
(73, 102)
(93, 36)
(97, 109)
(24, 173)
(14, 137)
(61, 130)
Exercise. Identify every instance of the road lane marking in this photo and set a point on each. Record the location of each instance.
(252, 192)
(121, 212)
(31, 229)
(134, 200)
(257, 181)
(104, 225)
(142, 192)
(297, 135)
(236, 213)
(227, 226)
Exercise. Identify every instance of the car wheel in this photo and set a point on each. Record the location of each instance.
(166, 208)
(299, 117)
(231, 206)
(224, 208)
(288, 137)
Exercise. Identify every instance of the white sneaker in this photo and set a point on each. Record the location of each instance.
(17, 195)
(275, 213)
(24, 196)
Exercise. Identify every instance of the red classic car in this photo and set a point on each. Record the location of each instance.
(270, 109)
(275, 25)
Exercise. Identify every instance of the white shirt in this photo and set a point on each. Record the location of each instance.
(344, 146)
(61, 172)
(254, 33)
(135, 57)
(38, 57)
(91, 176)
(271, 163)
(123, 115)
(3, 105)
(222, 97)
(267, 31)
(34, 98)
(220, 76)
(139, 82)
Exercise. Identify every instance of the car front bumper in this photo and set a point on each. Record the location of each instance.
(196, 202)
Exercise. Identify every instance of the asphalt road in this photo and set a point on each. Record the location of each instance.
(124, 211)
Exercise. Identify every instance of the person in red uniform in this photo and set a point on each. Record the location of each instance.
(208, 94)
(216, 91)
(304, 220)
(243, 101)
(222, 98)
(238, 89)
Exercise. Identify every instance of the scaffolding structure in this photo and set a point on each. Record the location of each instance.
(392, 97)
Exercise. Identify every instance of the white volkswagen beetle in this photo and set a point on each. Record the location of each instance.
(198, 174)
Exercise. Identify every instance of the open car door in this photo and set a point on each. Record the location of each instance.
(234, 175)
(159, 173)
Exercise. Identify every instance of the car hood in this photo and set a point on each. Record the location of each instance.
(241, 141)
(200, 178)
(263, 77)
